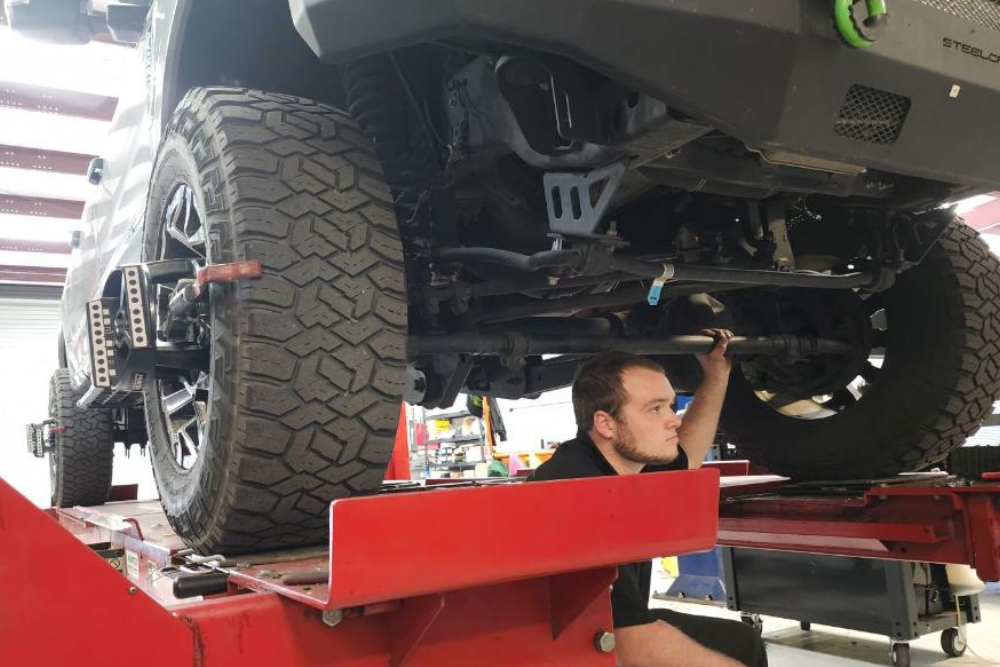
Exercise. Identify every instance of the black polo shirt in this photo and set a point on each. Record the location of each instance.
(581, 458)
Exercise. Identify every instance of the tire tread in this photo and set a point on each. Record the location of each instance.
(317, 342)
(84, 451)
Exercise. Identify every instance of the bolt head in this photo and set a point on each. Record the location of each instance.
(604, 641)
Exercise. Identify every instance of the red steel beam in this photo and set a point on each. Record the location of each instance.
(27, 97)
(985, 216)
(21, 245)
(40, 207)
(19, 157)
(32, 274)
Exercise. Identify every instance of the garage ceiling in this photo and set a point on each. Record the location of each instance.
(56, 103)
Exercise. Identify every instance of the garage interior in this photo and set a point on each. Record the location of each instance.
(448, 557)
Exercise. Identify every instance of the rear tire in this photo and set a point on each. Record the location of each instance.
(307, 363)
(80, 462)
(939, 380)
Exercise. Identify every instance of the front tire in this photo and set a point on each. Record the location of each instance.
(939, 379)
(298, 401)
(80, 463)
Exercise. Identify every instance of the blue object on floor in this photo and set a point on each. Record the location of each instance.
(699, 577)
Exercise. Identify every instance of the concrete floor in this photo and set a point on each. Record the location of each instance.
(824, 646)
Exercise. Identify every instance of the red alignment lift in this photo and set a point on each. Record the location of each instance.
(404, 581)
(449, 576)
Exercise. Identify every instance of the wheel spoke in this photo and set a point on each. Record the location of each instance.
(842, 399)
(870, 372)
(187, 211)
(177, 401)
(185, 445)
(810, 408)
(174, 210)
(183, 223)
(795, 406)
(185, 432)
(194, 243)
(779, 401)
(880, 339)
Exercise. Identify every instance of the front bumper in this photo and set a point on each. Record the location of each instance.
(773, 74)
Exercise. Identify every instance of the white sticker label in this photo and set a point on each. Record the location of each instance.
(132, 565)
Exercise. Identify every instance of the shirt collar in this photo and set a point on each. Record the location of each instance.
(588, 445)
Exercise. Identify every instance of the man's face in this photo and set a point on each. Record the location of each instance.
(646, 428)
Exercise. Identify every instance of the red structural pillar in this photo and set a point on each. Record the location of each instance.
(399, 464)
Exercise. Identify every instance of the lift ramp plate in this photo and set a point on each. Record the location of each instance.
(407, 544)
(926, 518)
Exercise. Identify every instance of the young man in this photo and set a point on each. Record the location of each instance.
(626, 426)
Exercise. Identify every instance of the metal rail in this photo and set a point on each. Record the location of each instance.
(518, 343)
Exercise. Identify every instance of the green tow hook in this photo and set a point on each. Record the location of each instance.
(864, 35)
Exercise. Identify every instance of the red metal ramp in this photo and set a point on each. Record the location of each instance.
(403, 581)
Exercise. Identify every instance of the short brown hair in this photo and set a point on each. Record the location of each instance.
(598, 385)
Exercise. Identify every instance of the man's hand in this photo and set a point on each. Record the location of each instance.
(701, 421)
(716, 364)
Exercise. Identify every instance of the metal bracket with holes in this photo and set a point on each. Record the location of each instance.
(104, 371)
(576, 201)
(134, 291)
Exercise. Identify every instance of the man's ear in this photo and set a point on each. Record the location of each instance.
(604, 424)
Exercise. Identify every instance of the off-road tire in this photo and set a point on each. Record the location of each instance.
(940, 378)
(81, 460)
(308, 362)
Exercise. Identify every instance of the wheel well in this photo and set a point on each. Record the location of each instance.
(222, 42)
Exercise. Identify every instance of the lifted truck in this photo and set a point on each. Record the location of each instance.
(441, 196)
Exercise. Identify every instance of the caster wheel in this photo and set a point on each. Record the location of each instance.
(805, 625)
(952, 642)
(753, 620)
(901, 655)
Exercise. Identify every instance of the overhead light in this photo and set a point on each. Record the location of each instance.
(31, 228)
(39, 259)
(69, 187)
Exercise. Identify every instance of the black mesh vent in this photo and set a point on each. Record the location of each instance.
(983, 12)
(873, 115)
